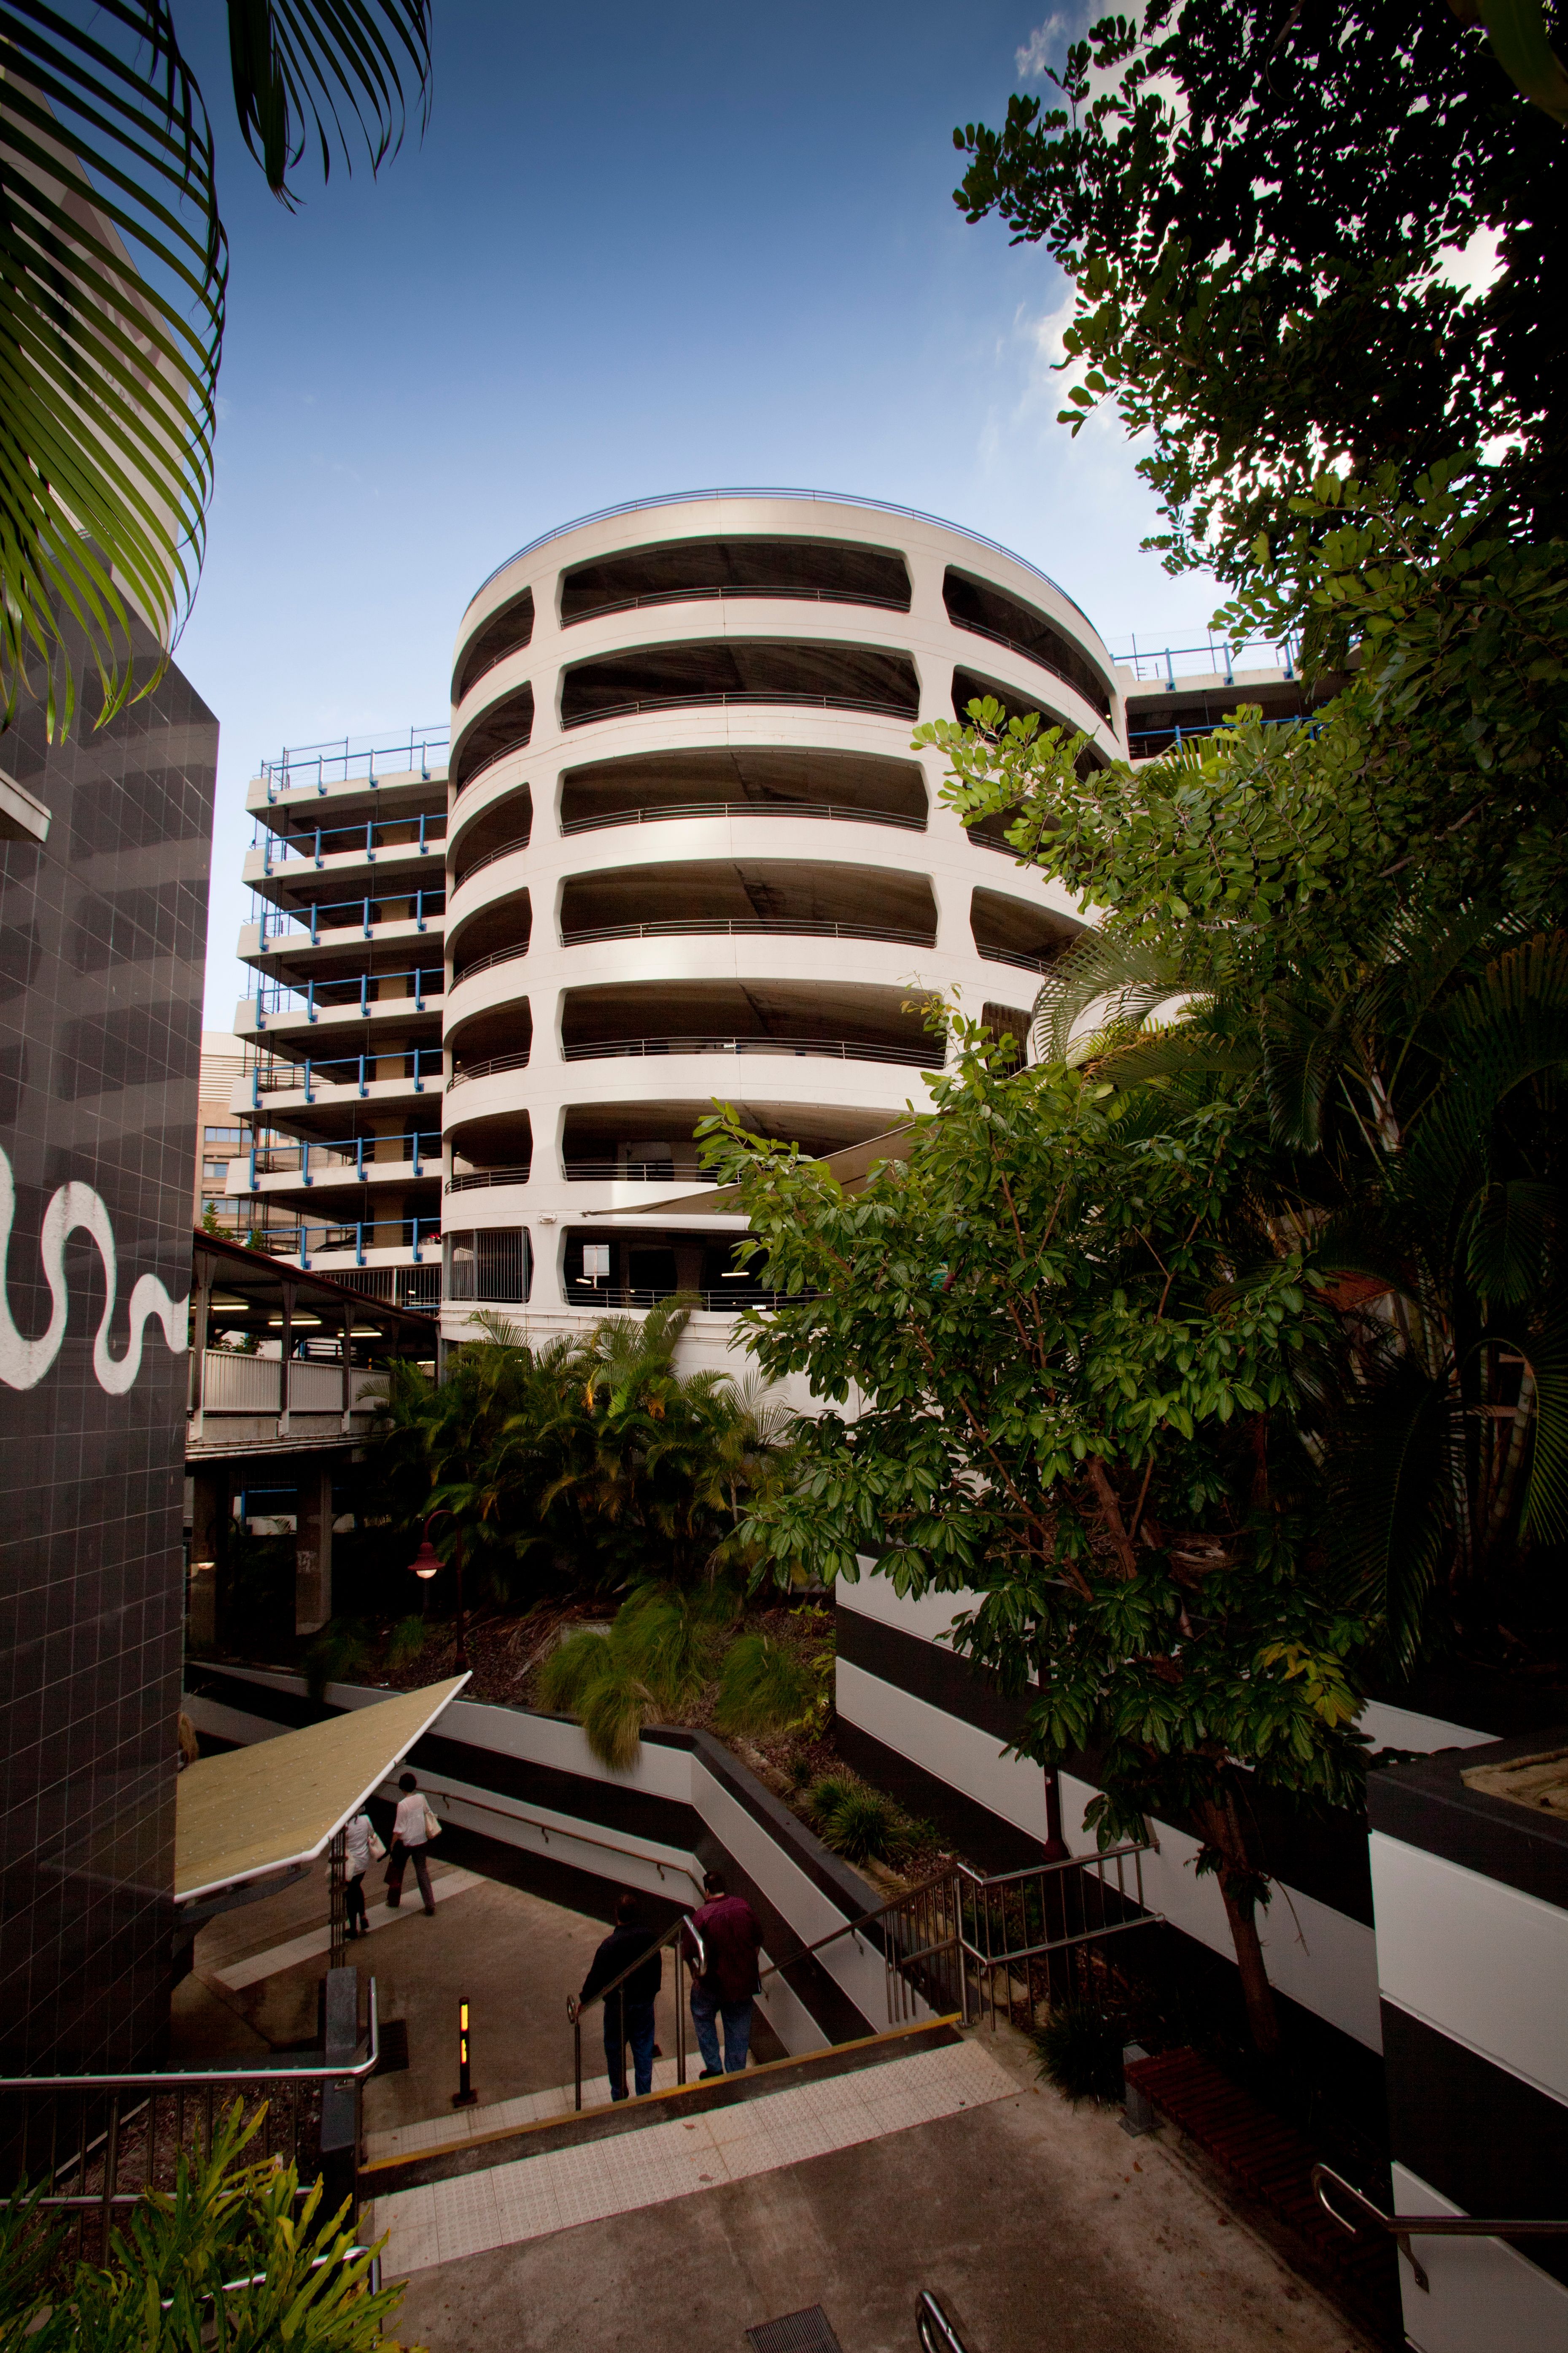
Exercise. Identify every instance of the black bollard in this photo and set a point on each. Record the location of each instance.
(464, 2095)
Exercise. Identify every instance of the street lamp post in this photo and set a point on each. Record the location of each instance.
(426, 1561)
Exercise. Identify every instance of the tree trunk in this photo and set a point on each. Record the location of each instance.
(1217, 1819)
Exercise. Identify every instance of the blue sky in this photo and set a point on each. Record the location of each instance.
(637, 251)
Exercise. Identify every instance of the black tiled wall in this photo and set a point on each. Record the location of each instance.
(102, 937)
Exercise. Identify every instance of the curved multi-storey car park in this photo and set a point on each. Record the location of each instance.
(680, 849)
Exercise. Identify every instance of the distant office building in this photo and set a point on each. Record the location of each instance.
(103, 906)
(221, 1137)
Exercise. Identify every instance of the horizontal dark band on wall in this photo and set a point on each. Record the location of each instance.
(1481, 2138)
(1320, 1855)
(1427, 1805)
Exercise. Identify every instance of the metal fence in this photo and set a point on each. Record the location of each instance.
(301, 766)
(598, 821)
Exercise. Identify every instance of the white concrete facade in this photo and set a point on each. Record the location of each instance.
(808, 970)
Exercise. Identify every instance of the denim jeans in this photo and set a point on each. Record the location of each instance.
(706, 2014)
(353, 1904)
(637, 2028)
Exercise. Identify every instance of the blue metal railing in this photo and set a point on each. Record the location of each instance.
(342, 1156)
(367, 841)
(342, 761)
(363, 915)
(317, 997)
(1217, 656)
(370, 1234)
(1171, 738)
(345, 1070)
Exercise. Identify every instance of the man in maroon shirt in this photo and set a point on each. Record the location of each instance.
(721, 1994)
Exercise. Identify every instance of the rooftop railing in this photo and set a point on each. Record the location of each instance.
(673, 810)
(1156, 740)
(363, 915)
(354, 992)
(736, 696)
(301, 766)
(369, 841)
(1212, 655)
(272, 1076)
(914, 1055)
(744, 927)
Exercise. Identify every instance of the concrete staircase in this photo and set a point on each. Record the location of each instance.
(458, 2186)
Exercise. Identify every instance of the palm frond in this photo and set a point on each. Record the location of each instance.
(1392, 1501)
(112, 274)
(1105, 983)
(325, 69)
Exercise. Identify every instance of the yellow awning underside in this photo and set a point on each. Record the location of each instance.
(280, 1802)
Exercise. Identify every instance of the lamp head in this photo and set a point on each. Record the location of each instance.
(426, 1561)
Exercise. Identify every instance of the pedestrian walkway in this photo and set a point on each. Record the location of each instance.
(529, 2197)
(316, 1941)
(500, 2117)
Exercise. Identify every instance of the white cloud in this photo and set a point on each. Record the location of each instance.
(1034, 55)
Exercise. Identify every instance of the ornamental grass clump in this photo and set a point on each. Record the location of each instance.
(655, 1661)
(861, 1823)
(1080, 2053)
(764, 1688)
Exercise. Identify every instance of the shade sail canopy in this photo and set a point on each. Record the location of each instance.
(852, 1167)
(280, 1802)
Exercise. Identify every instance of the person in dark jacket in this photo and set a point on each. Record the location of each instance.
(721, 1990)
(628, 2011)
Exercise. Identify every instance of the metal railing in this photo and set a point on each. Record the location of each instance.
(275, 1077)
(1403, 2228)
(361, 915)
(370, 841)
(487, 1067)
(352, 1239)
(351, 994)
(934, 2331)
(709, 596)
(1220, 655)
(744, 927)
(674, 1934)
(727, 1300)
(635, 1172)
(519, 842)
(415, 1288)
(737, 696)
(471, 1180)
(1095, 696)
(950, 1943)
(483, 964)
(1014, 1925)
(340, 1155)
(97, 2144)
(921, 1947)
(834, 1049)
(668, 811)
(302, 765)
(1171, 738)
(1015, 957)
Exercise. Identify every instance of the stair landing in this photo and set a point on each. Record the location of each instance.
(650, 2163)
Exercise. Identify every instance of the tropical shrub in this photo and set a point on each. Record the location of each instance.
(1080, 2053)
(168, 2283)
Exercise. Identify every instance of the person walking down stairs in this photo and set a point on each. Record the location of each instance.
(628, 2011)
(721, 1993)
(412, 1832)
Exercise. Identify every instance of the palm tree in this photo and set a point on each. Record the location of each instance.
(113, 275)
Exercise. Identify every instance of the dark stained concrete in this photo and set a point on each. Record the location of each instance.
(1039, 2226)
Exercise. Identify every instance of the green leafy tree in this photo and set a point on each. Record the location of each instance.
(113, 286)
(1077, 1359)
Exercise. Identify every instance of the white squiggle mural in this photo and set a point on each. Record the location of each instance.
(77, 1208)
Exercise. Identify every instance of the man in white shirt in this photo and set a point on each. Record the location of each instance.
(409, 1840)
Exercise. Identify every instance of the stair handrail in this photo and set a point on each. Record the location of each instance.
(933, 2329)
(943, 1878)
(1403, 2228)
(575, 2008)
